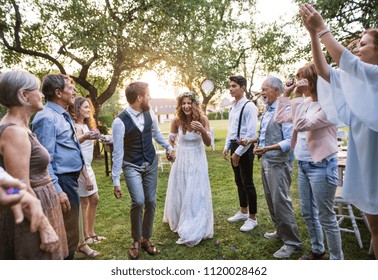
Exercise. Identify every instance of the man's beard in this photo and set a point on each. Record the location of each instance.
(145, 106)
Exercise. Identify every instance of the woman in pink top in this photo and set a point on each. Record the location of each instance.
(315, 142)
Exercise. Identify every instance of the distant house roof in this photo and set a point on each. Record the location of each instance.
(163, 105)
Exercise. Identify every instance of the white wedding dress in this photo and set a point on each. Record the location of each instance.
(188, 204)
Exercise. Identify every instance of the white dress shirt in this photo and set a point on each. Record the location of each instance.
(118, 130)
(248, 124)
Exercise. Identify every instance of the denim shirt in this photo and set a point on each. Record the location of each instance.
(57, 135)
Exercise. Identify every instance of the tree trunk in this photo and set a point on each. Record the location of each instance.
(97, 150)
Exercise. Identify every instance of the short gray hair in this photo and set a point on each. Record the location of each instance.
(275, 82)
(52, 82)
(12, 83)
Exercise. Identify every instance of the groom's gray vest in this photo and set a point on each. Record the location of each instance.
(137, 145)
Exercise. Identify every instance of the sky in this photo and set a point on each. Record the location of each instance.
(270, 10)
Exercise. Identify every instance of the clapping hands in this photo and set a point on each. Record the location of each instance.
(197, 126)
(300, 87)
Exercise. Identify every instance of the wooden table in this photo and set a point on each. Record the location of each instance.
(108, 154)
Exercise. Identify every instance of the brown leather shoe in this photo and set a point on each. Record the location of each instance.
(134, 251)
(149, 247)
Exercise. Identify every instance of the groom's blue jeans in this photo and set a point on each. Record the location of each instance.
(141, 182)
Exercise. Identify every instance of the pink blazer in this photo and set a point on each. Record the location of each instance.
(321, 133)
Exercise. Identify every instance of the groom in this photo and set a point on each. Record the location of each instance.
(134, 153)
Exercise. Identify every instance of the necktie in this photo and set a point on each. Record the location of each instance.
(267, 109)
(74, 136)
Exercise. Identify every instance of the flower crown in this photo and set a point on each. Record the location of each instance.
(190, 95)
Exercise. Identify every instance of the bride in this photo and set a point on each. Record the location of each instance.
(188, 204)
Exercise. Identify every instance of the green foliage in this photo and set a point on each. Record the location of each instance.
(271, 49)
(347, 18)
(3, 111)
(104, 123)
(271, 46)
(112, 107)
(106, 120)
(110, 39)
(217, 116)
(113, 219)
(210, 46)
(212, 116)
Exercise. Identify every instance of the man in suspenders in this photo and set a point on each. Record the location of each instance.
(242, 124)
(134, 153)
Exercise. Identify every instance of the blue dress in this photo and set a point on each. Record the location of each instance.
(352, 97)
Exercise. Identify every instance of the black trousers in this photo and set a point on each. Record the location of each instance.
(244, 179)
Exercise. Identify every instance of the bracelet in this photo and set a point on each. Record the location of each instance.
(321, 33)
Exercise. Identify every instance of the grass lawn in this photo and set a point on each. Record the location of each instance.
(113, 219)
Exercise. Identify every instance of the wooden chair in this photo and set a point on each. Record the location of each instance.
(160, 152)
(345, 209)
(342, 207)
(212, 133)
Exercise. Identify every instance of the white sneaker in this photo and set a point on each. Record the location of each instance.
(285, 251)
(271, 235)
(239, 216)
(249, 224)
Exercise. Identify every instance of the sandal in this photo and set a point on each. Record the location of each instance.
(149, 247)
(86, 253)
(94, 239)
(90, 240)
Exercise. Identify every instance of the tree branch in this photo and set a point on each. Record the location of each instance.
(237, 62)
(17, 46)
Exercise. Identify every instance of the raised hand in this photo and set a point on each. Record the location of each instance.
(311, 19)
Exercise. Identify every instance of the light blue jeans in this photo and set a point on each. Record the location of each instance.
(317, 186)
(141, 182)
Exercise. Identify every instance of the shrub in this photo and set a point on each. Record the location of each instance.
(104, 123)
(217, 116)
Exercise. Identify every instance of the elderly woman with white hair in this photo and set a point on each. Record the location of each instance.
(23, 157)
